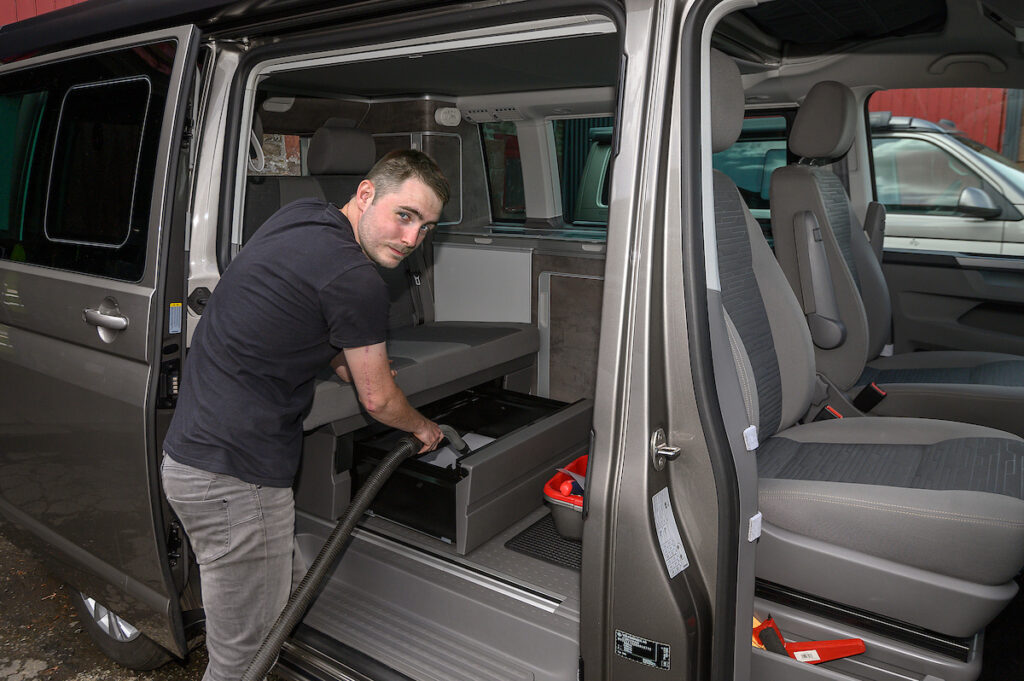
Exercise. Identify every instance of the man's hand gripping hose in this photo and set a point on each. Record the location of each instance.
(309, 587)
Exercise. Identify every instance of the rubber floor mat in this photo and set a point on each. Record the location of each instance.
(541, 540)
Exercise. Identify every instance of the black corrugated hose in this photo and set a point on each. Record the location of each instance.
(306, 592)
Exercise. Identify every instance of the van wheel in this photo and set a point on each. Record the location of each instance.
(116, 637)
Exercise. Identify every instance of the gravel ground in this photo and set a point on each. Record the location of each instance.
(41, 637)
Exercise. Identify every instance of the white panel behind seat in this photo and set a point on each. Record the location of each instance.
(482, 284)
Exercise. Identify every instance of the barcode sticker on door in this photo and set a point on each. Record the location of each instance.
(668, 534)
(174, 318)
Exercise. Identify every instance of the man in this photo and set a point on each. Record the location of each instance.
(302, 293)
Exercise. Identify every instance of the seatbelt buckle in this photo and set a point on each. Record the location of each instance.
(869, 397)
(767, 635)
(827, 413)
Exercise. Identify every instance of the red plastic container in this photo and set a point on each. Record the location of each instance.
(566, 508)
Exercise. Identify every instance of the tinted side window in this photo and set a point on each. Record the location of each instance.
(82, 136)
(96, 162)
(19, 127)
(504, 171)
(751, 161)
(583, 148)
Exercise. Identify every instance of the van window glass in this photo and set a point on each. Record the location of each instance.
(281, 156)
(914, 176)
(19, 127)
(751, 161)
(583, 148)
(504, 171)
(79, 140)
(96, 161)
(946, 164)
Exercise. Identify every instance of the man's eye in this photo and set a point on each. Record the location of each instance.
(425, 228)
(404, 217)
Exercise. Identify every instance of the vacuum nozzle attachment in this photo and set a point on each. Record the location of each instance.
(455, 440)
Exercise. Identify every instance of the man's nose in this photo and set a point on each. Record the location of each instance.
(410, 235)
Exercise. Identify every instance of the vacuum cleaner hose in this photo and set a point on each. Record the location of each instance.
(308, 588)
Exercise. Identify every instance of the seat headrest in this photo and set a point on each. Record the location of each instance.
(824, 125)
(726, 101)
(337, 148)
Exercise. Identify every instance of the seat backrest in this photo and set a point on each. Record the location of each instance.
(340, 155)
(768, 337)
(823, 132)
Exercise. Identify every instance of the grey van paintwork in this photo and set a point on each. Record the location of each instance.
(636, 393)
(75, 427)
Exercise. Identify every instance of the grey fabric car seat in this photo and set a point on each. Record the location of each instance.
(339, 156)
(985, 388)
(916, 519)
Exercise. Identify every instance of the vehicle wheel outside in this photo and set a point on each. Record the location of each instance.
(116, 637)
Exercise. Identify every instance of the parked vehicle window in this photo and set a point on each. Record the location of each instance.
(937, 171)
(76, 183)
(913, 176)
(504, 171)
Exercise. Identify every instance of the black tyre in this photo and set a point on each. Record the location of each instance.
(118, 639)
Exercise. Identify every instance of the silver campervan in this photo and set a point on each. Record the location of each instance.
(597, 298)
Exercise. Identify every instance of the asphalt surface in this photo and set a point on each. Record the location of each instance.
(41, 637)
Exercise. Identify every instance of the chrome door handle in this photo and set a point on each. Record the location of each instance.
(114, 322)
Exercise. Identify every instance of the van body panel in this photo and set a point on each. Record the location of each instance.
(77, 449)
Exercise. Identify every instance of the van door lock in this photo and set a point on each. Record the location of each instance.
(661, 450)
(198, 298)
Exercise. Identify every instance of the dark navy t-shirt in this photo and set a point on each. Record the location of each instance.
(299, 292)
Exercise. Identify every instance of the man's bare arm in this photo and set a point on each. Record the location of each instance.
(370, 371)
(340, 367)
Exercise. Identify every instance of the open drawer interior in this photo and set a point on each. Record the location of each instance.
(517, 441)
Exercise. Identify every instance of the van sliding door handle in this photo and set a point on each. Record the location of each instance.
(114, 322)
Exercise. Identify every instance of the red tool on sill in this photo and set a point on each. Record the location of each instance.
(812, 652)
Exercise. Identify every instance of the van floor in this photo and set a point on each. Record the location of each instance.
(412, 603)
(1004, 656)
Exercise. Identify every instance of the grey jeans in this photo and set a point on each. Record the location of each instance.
(242, 537)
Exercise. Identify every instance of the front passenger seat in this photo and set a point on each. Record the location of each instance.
(985, 388)
(917, 519)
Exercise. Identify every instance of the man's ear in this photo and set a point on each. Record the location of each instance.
(364, 194)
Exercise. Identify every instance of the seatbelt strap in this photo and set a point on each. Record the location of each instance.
(874, 227)
(422, 295)
(869, 397)
(819, 298)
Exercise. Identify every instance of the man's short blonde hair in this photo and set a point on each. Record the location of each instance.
(388, 174)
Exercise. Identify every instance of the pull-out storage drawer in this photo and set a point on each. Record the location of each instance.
(496, 484)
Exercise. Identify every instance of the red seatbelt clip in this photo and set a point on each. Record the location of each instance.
(868, 398)
(812, 652)
(831, 410)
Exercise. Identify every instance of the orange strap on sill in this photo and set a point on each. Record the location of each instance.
(811, 652)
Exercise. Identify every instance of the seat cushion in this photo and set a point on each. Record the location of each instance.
(985, 388)
(946, 366)
(941, 496)
(433, 360)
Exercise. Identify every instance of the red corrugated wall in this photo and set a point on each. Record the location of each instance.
(979, 112)
(16, 10)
